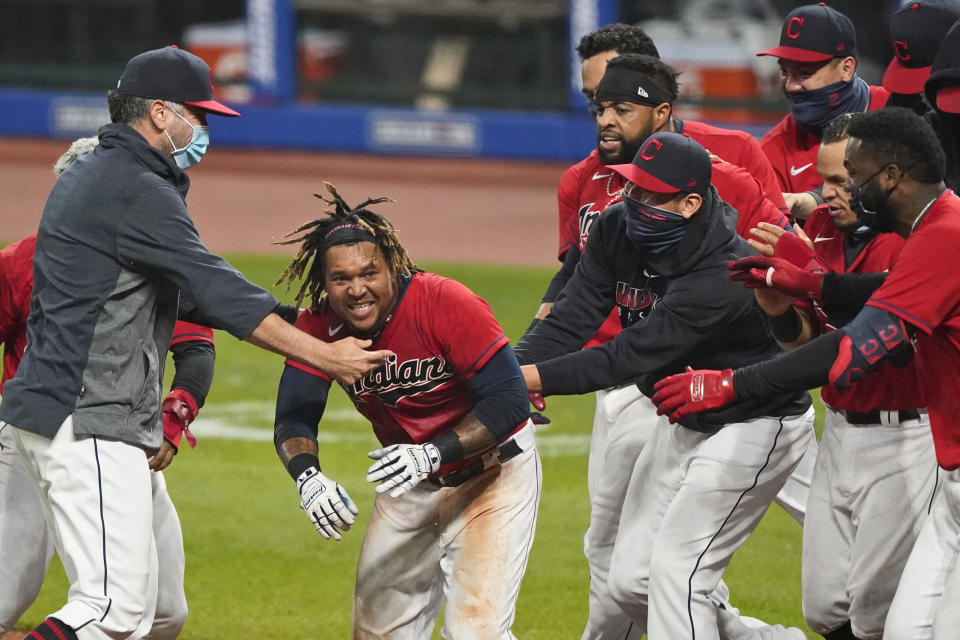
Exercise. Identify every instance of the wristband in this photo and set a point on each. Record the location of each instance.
(300, 463)
(787, 326)
(449, 447)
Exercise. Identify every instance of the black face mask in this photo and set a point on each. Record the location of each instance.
(651, 228)
(871, 209)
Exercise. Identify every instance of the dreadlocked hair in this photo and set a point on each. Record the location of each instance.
(311, 258)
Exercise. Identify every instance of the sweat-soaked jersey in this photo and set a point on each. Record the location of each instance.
(923, 289)
(442, 334)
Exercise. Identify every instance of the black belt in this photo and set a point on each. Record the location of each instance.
(873, 417)
(508, 451)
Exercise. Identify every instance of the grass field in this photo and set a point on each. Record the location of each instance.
(256, 567)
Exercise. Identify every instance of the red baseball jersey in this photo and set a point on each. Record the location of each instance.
(16, 283)
(442, 334)
(923, 289)
(792, 151)
(738, 148)
(887, 389)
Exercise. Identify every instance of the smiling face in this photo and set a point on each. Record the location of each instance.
(806, 76)
(360, 287)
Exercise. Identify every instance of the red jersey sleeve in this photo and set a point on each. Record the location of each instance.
(189, 332)
(16, 285)
(465, 328)
(758, 166)
(922, 285)
(315, 322)
(568, 202)
(744, 193)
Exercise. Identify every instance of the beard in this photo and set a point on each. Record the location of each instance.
(628, 149)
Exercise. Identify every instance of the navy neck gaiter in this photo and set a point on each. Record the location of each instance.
(813, 110)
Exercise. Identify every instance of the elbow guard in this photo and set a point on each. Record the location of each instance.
(875, 336)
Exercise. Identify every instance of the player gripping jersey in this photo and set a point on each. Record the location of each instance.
(450, 411)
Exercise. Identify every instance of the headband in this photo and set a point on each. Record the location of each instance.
(347, 234)
(620, 84)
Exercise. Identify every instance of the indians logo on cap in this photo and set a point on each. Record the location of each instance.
(647, 153)
(793, 27)
(902, 49)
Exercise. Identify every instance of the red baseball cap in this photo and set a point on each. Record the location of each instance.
(815, 33)
(916, 32)
(172, 74)
(669, 163)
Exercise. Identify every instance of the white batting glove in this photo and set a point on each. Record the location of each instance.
(401, 467)
(326, 503)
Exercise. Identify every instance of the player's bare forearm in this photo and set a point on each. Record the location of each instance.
(291, 448)
(544, 310)
(531, 376)
(475, 438)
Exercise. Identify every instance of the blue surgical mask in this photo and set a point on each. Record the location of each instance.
(651, 228)
(190, 155)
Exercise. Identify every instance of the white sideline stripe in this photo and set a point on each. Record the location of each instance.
(550, 445)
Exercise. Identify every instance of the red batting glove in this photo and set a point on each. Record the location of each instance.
(679, 395)
(536, 399)
(758, 272)
(795, 251)
(179, 409)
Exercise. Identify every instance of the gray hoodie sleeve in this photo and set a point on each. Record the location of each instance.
(156, 235)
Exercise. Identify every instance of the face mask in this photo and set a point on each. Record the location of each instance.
(814, 109)
(190, 155)
(651, 228)
(872, 211)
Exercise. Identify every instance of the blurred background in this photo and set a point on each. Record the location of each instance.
(458, 77)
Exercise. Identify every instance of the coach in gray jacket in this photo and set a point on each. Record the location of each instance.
(116, 249)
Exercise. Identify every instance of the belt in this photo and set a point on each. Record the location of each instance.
(887, 418)
(507, 451)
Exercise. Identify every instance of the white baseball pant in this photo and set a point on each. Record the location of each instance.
(872, 488)
(694, 498)
(624, 420)
(925, 605)
(101, 503)
(465, 545)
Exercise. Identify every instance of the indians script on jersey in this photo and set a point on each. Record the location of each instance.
(634, 303)
(393, 382)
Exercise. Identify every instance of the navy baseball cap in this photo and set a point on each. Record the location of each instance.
(916, 32)
(943, 85)
(172, 74)
(669, 163)
(815, 33)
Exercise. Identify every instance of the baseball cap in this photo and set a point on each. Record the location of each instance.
(943, 86)
(669, 163)
(815, 33)
(916, 32)
(171, 74)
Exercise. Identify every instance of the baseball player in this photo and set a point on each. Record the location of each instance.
(896, 172)
(458, 474)
(818, 73)
(659, 256)
(25, 544)
(624, 417)
(876, 455)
